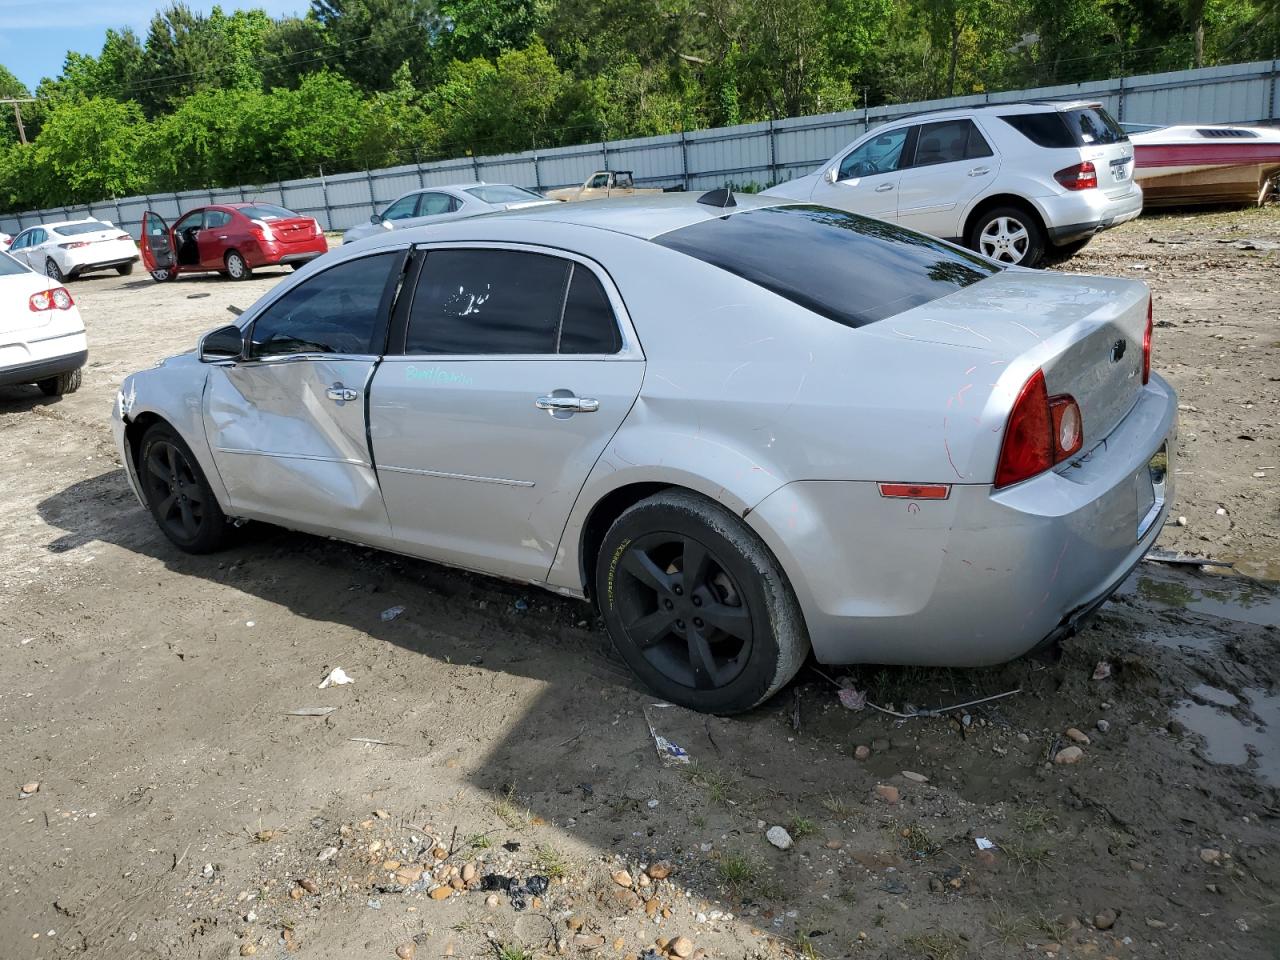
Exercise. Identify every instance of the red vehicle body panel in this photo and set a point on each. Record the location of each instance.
(200, 240)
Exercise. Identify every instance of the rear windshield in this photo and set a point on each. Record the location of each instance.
(503, 193)
(10, 266)
(72, 229)
(267, 211)
(1068, 128)
(847, 268)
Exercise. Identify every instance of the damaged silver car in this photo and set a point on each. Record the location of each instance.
(747, 430)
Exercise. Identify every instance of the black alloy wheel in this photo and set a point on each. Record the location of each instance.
(178, 493)
(683, 611)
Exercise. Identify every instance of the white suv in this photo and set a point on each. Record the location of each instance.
(1017, 182)
(42, 337)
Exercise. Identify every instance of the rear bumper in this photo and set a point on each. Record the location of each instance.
(105, 264)
(1080, 214)
(37, 370)
(264, 254)
(984, 576)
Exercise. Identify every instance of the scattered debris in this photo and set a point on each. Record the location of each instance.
(311, 711)
(391, 613)
(520, 891)
(852, 699)
(328, 853)
(1182, 559)
(915, 777)
(668, 752)
(27, 789)
(1102, 670)
(983, 843)
(336, 678)
(370, 740)
(1068, 755)
(1077, 736)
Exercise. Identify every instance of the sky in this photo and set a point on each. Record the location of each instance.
(35, 35)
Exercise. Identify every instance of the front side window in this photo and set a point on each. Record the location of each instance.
(495, 302)
(882, 154)
(599, 181)
(21, 242)
(192, 221)
(434, 204)
(337, 311)
(850, 269)
(402, 209)
(949, 142)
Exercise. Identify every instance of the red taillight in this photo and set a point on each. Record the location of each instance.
(1146, 346)
(74, 245)
(56, 299)
(916, 491)
(1042, 431)
(1082, 176)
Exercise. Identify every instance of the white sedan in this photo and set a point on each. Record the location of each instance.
(5, 240)
(65, 251)
(42, 338)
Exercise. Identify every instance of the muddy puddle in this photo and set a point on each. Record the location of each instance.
(1228, 597)
(1235, 728)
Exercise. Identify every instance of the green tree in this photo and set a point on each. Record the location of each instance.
(87, 151)
(368, 40)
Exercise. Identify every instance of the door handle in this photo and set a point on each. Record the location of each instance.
(883, 187)
(979, 171)
(340, 394)
(554, 405)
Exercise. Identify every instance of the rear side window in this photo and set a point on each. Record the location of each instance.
(949, 142)
(434, 204)
(213, 219)
(9, 266)
(337, 311)
(589, 325)
(494, 302)
(502, 193)
(847, 268)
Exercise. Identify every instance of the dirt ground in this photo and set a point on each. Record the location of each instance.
(183, 812)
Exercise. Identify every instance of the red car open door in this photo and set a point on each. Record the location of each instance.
(158, 256)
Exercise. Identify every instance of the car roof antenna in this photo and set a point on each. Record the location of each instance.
(723, 197)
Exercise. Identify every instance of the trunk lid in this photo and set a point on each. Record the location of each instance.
(15, 308)
(1084, 332)
(294, 229)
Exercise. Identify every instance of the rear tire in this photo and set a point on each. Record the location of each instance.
(1008, 234)
(177, 492)
(63, 383)
(237, 266)
(721, 635)
(54, 272)
(124, 269)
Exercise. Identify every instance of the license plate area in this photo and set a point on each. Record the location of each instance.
(1119, 170)
(1150, 487)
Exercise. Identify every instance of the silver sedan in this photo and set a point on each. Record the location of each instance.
(419, 208)
(745, 432)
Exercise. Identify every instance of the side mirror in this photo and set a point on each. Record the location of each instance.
(377, 220)
(225, 343)
(831, 174)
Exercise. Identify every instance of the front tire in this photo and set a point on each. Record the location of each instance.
(1008, 234)
(63, 383)
(124, 269)
(164, 274)
(697, 605)
(177, 492)
(237, 266)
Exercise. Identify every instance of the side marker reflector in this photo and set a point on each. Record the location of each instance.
(916, 491)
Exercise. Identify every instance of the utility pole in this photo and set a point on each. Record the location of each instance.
(17, 113)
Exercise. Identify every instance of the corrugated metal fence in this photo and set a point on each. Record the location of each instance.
(759, 153)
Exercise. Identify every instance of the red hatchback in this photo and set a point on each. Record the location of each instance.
(230, 238)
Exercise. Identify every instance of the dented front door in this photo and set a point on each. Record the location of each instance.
(289, 439)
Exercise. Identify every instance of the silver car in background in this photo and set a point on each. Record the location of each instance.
(440, 204)
(744, 430)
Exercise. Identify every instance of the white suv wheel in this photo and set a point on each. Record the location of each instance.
(1005, 239)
